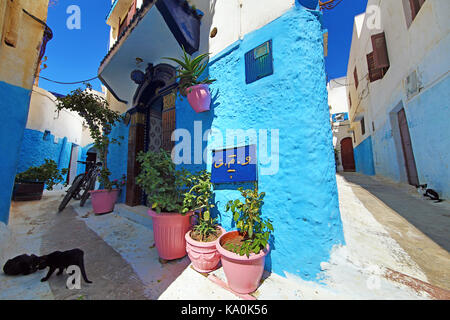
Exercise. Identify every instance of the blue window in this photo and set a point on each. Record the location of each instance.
(259, 62)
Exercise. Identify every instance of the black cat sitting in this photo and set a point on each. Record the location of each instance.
(21, 265)
(62, 260)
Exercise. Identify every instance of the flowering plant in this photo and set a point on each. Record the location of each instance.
(119, 183)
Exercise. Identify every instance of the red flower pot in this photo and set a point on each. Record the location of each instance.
(199, 97)
(168, 231)
(203, 255)
(103, 201)
(243, 273)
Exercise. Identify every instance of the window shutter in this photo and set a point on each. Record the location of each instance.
(380, 53)
(355, 75)
(131, 12)
(374, 73)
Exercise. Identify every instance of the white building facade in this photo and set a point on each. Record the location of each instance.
(340, 124)
(398, 91)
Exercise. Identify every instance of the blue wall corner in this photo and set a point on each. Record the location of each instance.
(118, 155)
(364, 157)
(302, 197)
(14, 104)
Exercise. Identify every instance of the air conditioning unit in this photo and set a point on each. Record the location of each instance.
(412, 84)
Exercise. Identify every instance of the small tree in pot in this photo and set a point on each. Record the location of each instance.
(201, 240)
(165, 187)
(29, 185)
(100, 119)
(197, 90)
(248, 245)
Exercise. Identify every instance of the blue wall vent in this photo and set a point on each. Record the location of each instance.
(259, 62)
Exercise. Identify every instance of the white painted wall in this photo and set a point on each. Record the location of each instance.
(338, 102)
(423, 46)
(232, 18)
(43, 115)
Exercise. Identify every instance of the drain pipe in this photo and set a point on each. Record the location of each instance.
(241, 3)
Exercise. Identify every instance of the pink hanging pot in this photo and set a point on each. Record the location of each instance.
(199, 97)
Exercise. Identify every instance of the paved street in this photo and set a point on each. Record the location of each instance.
(384, 257)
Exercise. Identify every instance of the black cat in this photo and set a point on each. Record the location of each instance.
(430, 193)
(21, 265)
(62, 260)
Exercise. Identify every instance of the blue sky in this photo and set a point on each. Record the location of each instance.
(75, 55)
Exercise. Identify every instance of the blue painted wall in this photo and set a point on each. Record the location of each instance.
(364, 157)
(302, 197)
(118, 155)
(427, 115)
(14, 104)
(428, 118)
(35, 149)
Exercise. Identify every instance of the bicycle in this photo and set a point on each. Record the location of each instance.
(82, 184)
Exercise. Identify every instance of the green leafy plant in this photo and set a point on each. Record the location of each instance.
(47, 173)
(163, 184)
(190, 70)
(100, 119)
(255, 230)
(199, 200)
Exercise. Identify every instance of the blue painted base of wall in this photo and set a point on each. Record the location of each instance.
(427, 115)
(118, 156)
(302, 197)
(364, 157)
(14, 104)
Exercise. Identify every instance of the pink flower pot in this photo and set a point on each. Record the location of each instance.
(103, 201)
(199, 97)
(168, 231)
(204, 255)
(243, 273)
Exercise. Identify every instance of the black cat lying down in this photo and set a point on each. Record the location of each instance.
(62, 260)
(21, 265)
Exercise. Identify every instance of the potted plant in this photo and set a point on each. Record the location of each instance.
(29, 185)
(201, 240)
(95, 111)
(243, 251)
(189, 72)
(164, 187)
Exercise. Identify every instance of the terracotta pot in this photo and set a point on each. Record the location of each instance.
(199, 97)
(168, 232)
(28, 191)
(243, 273)
(103, 201)
(203, 255)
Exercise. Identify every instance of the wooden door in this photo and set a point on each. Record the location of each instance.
(408, 153)
(347, 156)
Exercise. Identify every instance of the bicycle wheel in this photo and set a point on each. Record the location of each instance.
(77, 195)
(86, 193)
(73, 190)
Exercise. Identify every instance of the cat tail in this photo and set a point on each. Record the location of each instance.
(83, 271)
(439, 200)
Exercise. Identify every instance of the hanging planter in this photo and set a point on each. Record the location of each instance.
(197, 91)
(199, 97)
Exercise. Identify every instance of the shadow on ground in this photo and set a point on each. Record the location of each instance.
(433, 219)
